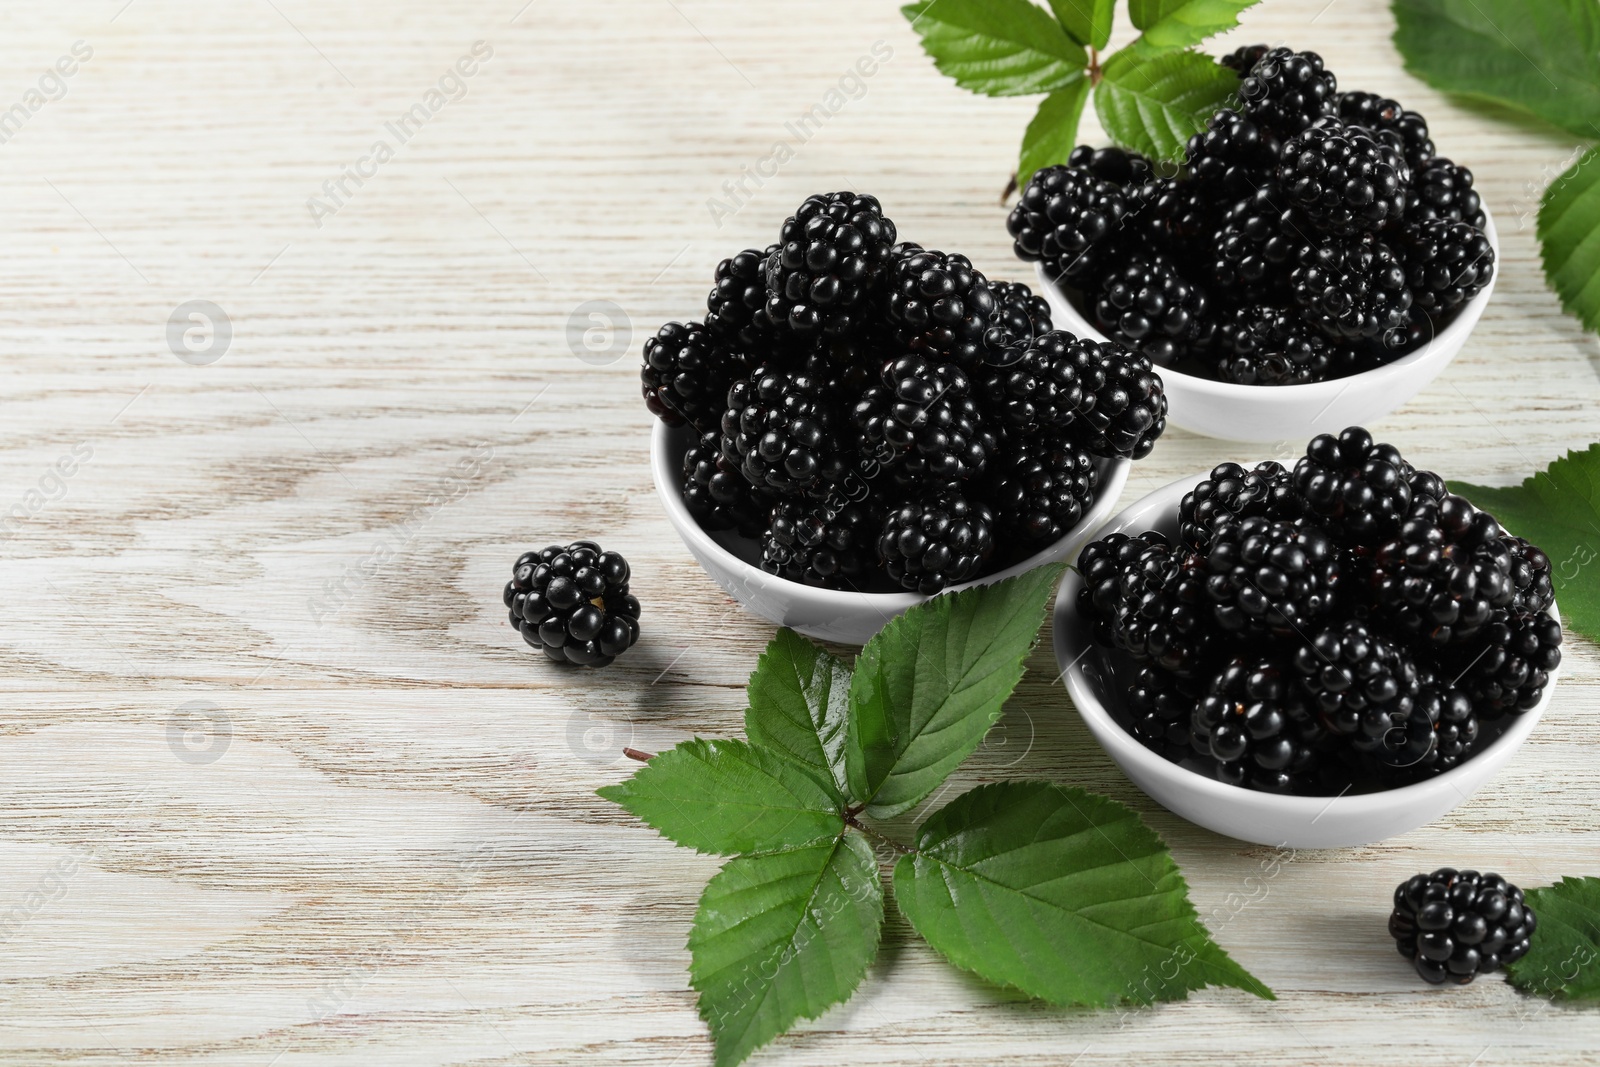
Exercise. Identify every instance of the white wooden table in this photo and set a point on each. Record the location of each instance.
(277, 783)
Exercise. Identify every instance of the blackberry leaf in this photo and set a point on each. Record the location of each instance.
(1086, 21)
(1564, 962)
(799, 703)
(1569, 218)
(997, 47)
(1172, 24)
(1153, 105)
(1053, 130)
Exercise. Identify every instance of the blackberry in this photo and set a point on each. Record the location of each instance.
(1389, 345)
(1068, 220)
(1445, 573)
(1455, 730)
(923, 423)
(1233, 155)
(1019, 317)
(572, 603)
(1264, 345)
(1162, 706)
(1124, 402)
(1161, 611)
(1447, 263)
(1440, 189)
(1171, 214)
(1257, 727)
(1102, 564)
(1270, 578)
(1365, 688)
(822, 545)
(686, 375)
(1039, 390)
(1406, 130)
(941, 307)
(1510, 672)
(830, 254)
(736, 308)
(783, 432)
(1343, 178)
(1355, 488)
(717, 495)
(1254, 247)
(1455, 925)
(1041, 491)
(939, 540)
(1150, 307)
(1286, 91)
(1351, 287)
(1231, 493)
(1241, 59)
(1529, 568)
(1112, 164)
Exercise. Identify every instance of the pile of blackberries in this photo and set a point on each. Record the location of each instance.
(882, 415)
(1345, 623)
(1310, 234)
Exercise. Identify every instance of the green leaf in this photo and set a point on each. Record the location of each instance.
(1542, 58)
(929, 685)
(997, 47)
(1557, 509)
(1564, 960)
(782, 937)
(1053, 133)
(1173, 24)
(1086, 21)
(1153, 104)
(799, 703)
(1569, 238)
(730, 798)
(1062, 894)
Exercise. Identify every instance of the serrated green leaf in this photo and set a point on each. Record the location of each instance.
(997, 47)
(1542, 58)
(799, 703)
(929, 685)
(1172, 24)
(1062, 894)
(1569, 238)
(1086, 21)
(1564, 960)
(731, 798)
(1154, 103)
(782, 937)
(1557, 509)
(1053, 133)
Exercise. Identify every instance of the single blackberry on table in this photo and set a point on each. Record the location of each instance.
(826, 545)
(1441, 189)
(829, 256)
(1241, 59)
(1270, 578)
(1455, 925)
(1447, 263)
(1254, 247)
(686, 375)
(1041, 490)
(1019, 317)
(736, 308)
(717, 494)
(1124, 407)
(1233, 156)
(1112, 164)
(783, 431)
(1444, 574)
(1149, 306)
(1257, 727)
(1260, 344)
(923, 423)
(1344, 179)
(1163, 705)
(1351, 287)
(1407, 130)
(1231, 493)
(572, 603)
(1365, 688)
(1039, 390)
(1510, 670)
(1068, 220)
(940, 540)
(1354, 487)
(941, 307)
(1286, 91)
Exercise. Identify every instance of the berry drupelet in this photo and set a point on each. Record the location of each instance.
(936, 541)
(1241, 59)
(1455, 925)
(830, 254)
(572, 603)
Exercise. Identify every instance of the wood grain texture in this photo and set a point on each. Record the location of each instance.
(280, 787)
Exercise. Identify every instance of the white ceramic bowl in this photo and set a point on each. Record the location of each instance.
(841, 616)
(1297, 412)
(1265, 818)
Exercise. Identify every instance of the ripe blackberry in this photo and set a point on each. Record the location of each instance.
(1455, 925)
(1101, 565)
(1040, 491)
(1455, 730)
(1286, 91)
(572, 603)
(783, 432)
(1019, 317)
(1257, 727)
(1441, 578)
(1112, 164)
(1353, 487)
(1270, 578)
(1529, 569)
(1231, 493)
(1171, 214)
(1068, 220)
(1351, 287)
(686, 375)
(1039, 390)
(1365, 688)
(1407, 130)
(1389, 345)
(1260, 344)
(939, 540)
(1254, 247)
(1161, 613)
(1440, 189)
(736, 308)
(1511, 671)
(941, 307)
(1447, 263)
(826, 545)
(830, 254)
(1241, 59)
(717, 495)
(1124, 402)
(1162, 706)
(1149, 306)
(1233, 155)
(923, 423)
(1343, 178)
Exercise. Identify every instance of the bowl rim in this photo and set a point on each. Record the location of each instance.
(1126, 748)
(663, 468)
(1448, 340)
